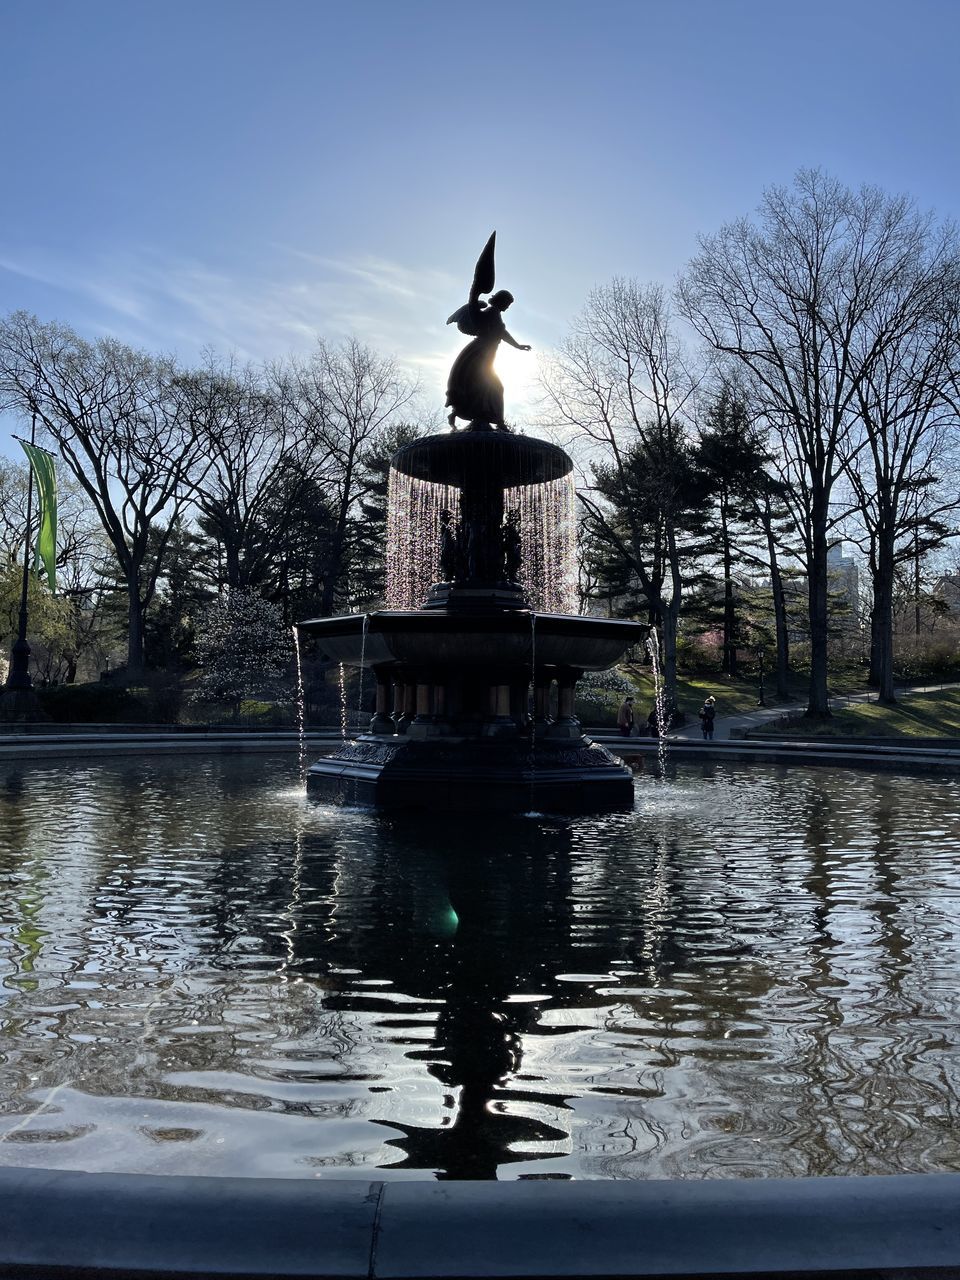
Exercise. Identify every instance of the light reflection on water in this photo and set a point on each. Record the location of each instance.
(755, 973)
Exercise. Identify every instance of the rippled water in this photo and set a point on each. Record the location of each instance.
(755, 973)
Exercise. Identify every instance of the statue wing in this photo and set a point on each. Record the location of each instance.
(484, 275)
(465, 319)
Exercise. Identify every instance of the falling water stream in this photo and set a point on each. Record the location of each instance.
(343, 702)
(653, 648)
(301, 711)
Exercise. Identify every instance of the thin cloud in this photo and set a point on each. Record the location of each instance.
(184, 306)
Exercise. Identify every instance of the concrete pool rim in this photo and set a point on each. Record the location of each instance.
(59, 1224)
(17, 748)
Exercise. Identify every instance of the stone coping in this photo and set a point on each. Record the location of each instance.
(771, 750)
(784, 750)
(35, 746)
(70, 1226)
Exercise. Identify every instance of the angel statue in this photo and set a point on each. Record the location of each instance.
(473, 390)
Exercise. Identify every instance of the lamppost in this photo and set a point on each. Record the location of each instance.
(760, 701)
(18, 677)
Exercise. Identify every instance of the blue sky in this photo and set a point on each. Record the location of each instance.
(248, 174)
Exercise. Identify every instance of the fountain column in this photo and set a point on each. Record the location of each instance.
(541, 699)
(566, 724)
(382, 721)
(403, 707)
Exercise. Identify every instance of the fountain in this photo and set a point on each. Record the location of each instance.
(481, 546)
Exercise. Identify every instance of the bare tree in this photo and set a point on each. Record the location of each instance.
(344, 396)
(251, 465)
(622, 383)
(907, 424)
(808, 298)
(111, 413)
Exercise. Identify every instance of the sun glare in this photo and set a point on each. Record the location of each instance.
(518, 372)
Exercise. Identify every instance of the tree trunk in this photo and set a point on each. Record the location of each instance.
(818, 706)
(232, 551)
(876, 637)
(916, 586)
(881, 617)
(670, 616)
(331, 577)
(779, 609)
(135, 633)
(729, 604)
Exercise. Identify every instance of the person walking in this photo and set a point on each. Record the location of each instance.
(708, 714)
(625, 718)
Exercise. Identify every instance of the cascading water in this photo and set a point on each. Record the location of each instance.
(301, 710)
(548, 540)
(413, 536)
(653, 648)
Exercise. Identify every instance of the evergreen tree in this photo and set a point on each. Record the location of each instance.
(731, 456)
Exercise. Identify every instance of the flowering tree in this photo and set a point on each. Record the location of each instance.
(243, 647)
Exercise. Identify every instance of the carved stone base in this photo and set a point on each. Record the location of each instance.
(476, 599)
(452, 775)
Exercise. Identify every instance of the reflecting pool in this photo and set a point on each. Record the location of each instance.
(755, 973)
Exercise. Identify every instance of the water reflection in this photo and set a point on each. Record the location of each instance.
(755, 973)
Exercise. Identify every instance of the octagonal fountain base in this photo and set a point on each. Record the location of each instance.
(449, 774)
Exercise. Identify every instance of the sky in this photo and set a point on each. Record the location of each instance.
(249, 174)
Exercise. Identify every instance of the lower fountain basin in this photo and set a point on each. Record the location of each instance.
(438, 639)
(511, 776)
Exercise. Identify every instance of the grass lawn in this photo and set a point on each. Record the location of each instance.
(924, 715)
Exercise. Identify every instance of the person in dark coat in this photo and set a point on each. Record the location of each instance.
(708, 714)
(625, 718)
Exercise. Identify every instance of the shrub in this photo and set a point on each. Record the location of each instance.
(92, 704)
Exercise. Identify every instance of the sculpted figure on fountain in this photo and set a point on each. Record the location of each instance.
(474, 391)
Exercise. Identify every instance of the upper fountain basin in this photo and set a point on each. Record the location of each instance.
(460, 458)
(497, 639)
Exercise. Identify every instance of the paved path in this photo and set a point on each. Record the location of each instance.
(744, 720)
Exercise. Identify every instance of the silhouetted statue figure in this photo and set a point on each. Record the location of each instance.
(512, 551)
(449, 548)
(473, 390)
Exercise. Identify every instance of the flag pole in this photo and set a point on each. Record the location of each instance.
(18, 678)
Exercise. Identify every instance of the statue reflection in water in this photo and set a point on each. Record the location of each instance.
(459, 927)
(474, 391)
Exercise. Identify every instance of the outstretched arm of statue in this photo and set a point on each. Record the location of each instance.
(521, 346)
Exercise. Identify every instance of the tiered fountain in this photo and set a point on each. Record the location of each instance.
(480, 574)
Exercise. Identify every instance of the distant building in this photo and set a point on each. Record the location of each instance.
(843, 576)
(947, 589)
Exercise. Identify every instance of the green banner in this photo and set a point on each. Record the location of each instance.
(46, 476)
